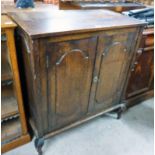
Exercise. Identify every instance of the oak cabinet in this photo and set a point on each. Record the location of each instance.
(77, 71)
(76, 67)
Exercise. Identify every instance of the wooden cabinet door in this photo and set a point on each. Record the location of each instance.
(69, 79)
(141, 79)
(112, 64)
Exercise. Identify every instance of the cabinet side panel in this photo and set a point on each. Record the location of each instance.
(25, 50)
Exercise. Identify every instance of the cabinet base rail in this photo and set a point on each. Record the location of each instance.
(39, 141)
(139, 98)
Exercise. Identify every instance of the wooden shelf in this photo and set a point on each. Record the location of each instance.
(9, 105)
(10, 130)
(14, 130)
(6, 73)
(115, 6)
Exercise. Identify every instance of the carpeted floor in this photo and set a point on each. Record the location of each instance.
(133, 134)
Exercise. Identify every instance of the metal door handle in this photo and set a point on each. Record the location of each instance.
(95, 79)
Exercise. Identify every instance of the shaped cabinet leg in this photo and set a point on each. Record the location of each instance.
(117, 113)
(39, 142)
(120, 111)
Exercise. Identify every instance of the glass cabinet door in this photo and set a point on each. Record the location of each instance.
(11, 126)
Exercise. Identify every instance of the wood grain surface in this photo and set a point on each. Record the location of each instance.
(59, 22)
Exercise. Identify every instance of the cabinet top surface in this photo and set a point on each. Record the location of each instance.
(61, 22)
(6, 22)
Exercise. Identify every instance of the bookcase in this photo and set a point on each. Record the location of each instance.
(13, 120)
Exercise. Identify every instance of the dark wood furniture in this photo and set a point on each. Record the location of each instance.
(13, 121)
(76, 64)
(99, 4)
(140, 84)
